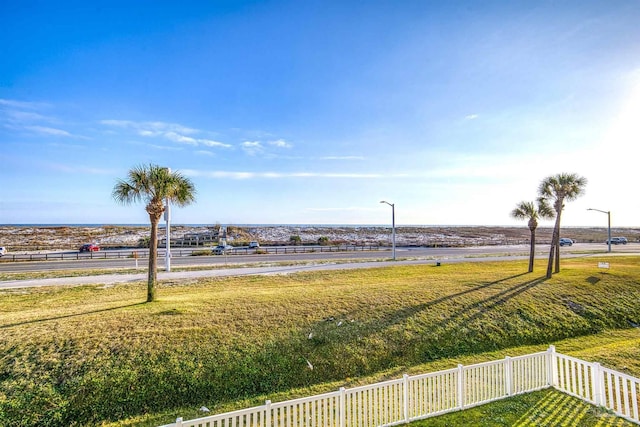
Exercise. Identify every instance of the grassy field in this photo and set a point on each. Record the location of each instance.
(545, 408)
(93, 354)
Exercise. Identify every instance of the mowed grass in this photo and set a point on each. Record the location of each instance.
(544, 408)
(92, 354)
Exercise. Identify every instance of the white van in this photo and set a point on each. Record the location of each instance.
(3, 250)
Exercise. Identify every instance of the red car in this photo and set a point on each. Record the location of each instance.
(89, 247)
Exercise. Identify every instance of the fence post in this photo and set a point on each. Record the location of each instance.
(179, 422)
(552, 368)
(596, 384)
(508, 375)
(342, 407)
(405, 393)
(267, 408)
(461, 386)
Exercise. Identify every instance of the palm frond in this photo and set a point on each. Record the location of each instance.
(153, 183)
(524, 210)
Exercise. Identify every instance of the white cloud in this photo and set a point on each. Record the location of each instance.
(286, 175)
(83, 170)
(342, 158)
(67, 146)
(164, 147)
(210, 143)
(342, 209)
(252, 147)
(280, 143)
(170, 131)
(13, 116)
(22, 104)
(171, 127)
(471, 117)
(156, 128)
(204, 153)
(176, 137)
(118, 123)
(26, 116)
(48, 131)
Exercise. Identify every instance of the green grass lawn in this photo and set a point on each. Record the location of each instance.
(93, 354)
(544, 408)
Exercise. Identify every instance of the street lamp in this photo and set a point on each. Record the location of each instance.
(167, 219)
(608, 224)
(393, 227)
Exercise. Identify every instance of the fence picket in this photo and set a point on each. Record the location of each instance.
(421, 396)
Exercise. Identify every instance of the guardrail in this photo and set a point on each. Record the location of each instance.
(181, 252)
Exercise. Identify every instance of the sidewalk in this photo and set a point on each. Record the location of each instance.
(108, 279)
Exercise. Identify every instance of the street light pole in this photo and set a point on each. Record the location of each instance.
(608, 224)
(167, 219)
(393, 227)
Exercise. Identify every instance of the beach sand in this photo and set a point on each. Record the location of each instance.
(27, 238)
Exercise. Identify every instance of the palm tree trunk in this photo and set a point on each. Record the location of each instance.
(556, 236)
(532, 249)
(555, 244)
(153, 259)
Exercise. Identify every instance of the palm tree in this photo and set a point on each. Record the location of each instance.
(153, 185)
(532, 213)
(556, 189)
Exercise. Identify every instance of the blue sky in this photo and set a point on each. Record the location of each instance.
(314, 111)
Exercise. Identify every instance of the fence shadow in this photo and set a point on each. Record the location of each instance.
(557, 408)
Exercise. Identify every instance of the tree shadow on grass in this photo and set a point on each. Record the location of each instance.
(493, 301)
(68, 316)
(329, 330)
(406, 313)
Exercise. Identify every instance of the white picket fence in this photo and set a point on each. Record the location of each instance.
(412, 398)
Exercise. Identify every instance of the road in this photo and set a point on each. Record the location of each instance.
(238, 265)
(86, 263)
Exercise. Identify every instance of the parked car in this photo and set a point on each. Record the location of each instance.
(3, 250)
(617, 241)
(89, 247)
(221, 249)
(254, 245)
(565, 241)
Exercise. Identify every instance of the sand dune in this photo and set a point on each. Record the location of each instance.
(21, 238)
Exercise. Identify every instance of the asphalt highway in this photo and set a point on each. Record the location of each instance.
(239, 265)
(86, 263)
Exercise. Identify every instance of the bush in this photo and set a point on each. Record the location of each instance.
(323, 241)
(203, 252)
(295, 240)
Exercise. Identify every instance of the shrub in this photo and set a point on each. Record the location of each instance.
(295, 240)
(323, 241)
(203, 252)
